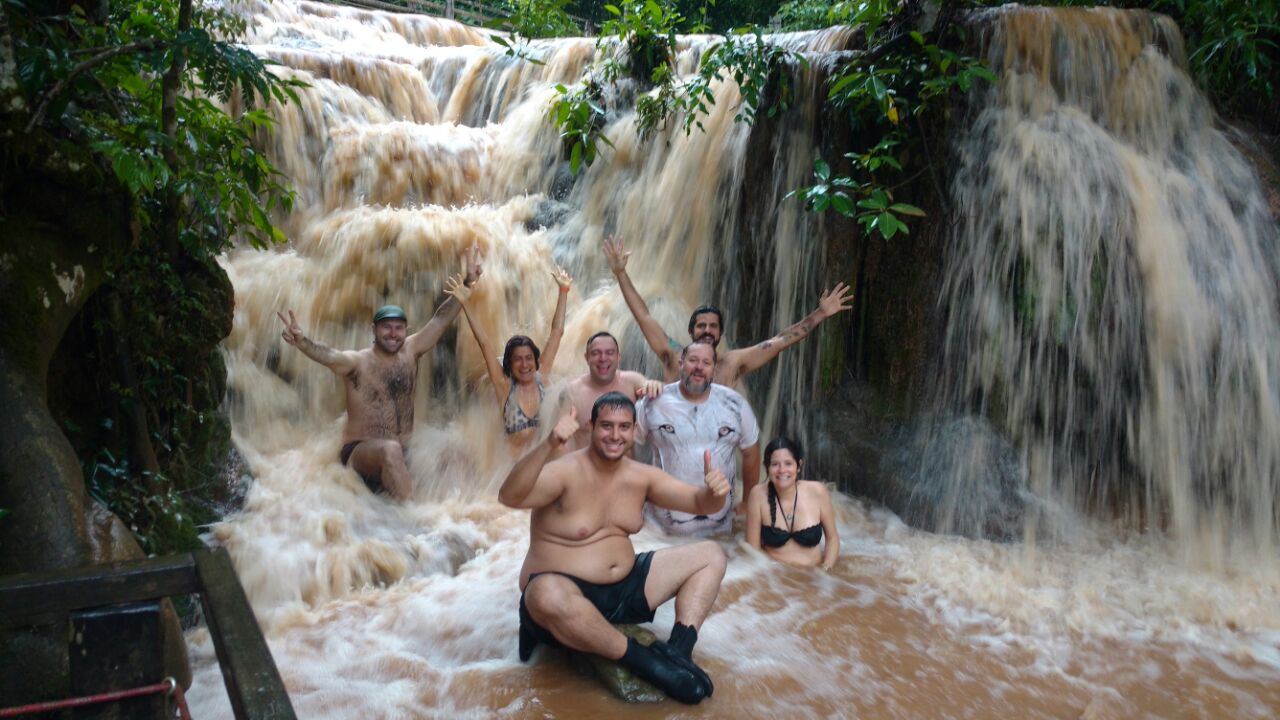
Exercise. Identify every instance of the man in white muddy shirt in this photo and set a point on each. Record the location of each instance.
(694, 423)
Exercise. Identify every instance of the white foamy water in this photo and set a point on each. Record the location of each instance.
(418, 138)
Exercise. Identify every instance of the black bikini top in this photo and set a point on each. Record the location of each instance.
(777, 537)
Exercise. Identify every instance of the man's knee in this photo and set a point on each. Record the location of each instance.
(547, 597)
(713, 555)
(392, 454)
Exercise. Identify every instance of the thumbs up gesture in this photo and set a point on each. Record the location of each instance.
(711, 475)
(565, 428)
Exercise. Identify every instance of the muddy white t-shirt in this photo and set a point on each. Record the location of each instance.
(678, 431)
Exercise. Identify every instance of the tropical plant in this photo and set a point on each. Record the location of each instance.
(150, 106)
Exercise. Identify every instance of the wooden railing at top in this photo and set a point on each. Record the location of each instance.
(466, 11)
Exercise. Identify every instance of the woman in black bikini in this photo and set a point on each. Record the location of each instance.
(518, 381)
(787, 517)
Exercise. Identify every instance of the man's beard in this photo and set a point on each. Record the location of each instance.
(694, 386)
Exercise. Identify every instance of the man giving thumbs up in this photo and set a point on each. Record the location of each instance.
(582, 575)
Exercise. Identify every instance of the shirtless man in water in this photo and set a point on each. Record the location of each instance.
(379, 383)
(582, 574)
(602, 376)
(706, 324)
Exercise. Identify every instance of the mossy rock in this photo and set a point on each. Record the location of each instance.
(617, 679)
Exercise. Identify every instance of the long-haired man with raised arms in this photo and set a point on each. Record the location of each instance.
(706, 324)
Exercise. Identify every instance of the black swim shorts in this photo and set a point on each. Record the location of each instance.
(622, 602)
(374, 484)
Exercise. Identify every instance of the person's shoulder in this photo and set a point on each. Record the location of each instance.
(364, 357)
(569, 461)
(814, 486)
(727, 394)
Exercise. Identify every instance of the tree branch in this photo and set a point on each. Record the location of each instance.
(83, 67)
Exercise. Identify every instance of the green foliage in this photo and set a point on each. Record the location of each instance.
(815, 14)
(141, 87)
(161, 519)
(751, 62)
(1234, 44)
(580, 118)
(532, 19)
(541, 19)
(97, 82)
(899, 81)
(647, 29)
(638, 41)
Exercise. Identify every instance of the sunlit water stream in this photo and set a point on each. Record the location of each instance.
(417, 138)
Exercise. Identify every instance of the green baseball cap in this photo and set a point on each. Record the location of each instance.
(389, 312)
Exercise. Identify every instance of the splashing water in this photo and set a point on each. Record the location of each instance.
(417, 137)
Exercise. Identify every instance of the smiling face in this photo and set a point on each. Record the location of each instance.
(613, 432)
(783, 468)
(696, 368)
(388, 335)
(524, 366)
(706, 328)
(602, 359)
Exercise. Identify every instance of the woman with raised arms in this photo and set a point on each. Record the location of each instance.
(517, 382)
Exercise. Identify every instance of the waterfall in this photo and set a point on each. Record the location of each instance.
(1089, 326)
(1109, 297)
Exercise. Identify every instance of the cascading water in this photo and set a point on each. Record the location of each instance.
(418, 137)
(1110, 290)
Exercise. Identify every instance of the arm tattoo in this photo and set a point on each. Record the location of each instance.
(322, 354)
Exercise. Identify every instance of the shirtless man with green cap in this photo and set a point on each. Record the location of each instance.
(379, 383)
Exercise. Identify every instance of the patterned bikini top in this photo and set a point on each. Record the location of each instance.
(513, 418)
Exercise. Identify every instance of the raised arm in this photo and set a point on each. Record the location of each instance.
(339, 361)
(459, 292)
(668, 492)
(667, 350)
(430, 334)
(831, 550)
(531, 484)
(744, 360)
(552, 348)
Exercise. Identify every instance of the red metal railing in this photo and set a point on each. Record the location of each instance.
(168, 686)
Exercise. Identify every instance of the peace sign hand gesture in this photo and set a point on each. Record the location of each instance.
(292, 333)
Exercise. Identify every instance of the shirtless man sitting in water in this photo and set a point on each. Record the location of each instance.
(582, 574)
(602, 376)
(379, 383)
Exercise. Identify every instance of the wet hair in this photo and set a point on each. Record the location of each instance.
(685, 350)
(782, 442)
(613, 400)
(603, 333)
(512, 344)
(703, 310)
